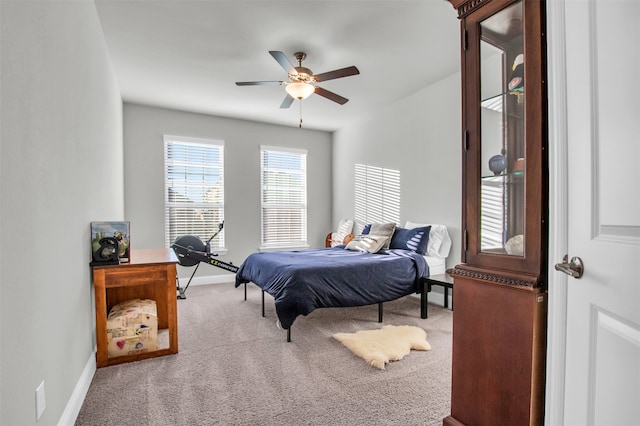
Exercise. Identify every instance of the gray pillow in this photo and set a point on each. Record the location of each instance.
(368, 243)
(384, 229)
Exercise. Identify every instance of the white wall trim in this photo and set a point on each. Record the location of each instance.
(189, 139)
(283, 149)
(209, 279)
(71, 411)
(558, 213)
(437, 298)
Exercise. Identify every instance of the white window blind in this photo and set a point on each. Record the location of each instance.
(377, 194)
(492, 217)
(194, 188)
(284, 197)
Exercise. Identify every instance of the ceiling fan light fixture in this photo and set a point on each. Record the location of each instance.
(300, 90)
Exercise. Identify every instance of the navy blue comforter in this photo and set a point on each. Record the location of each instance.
(303, 280)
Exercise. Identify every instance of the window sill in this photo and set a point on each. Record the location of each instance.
(284, 247)
(218, 252)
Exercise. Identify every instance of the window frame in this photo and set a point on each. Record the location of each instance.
(218, 244)
(269, 244)
(377, 194)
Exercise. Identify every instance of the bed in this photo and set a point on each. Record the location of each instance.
(437, 265)
(364, 272)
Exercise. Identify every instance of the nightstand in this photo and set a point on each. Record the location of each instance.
(445, 281)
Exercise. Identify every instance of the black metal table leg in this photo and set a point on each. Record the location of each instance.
(424, 298)
(446, 296)
(443, 280)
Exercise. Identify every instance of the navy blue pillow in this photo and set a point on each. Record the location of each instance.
(415, 239)
(366, 229)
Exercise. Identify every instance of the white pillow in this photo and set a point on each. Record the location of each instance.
(367, 243)
(344, 228)
(439, 241)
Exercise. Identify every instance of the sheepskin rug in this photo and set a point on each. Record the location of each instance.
(390, 343)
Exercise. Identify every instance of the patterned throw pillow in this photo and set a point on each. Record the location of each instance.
(367, 243)
(384, 229)
(439, 241)
(415, 239)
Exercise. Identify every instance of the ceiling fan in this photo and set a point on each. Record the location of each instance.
(301, 79)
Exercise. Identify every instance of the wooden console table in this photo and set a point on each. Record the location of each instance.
(150, 274)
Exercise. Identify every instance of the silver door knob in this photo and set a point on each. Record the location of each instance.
(575, 268)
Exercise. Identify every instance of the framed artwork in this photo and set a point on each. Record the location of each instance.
(110, 242)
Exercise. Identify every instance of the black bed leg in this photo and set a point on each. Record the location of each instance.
(424, 287)
(289, 334)
(262, 303)
(379, 312)
(245, 292)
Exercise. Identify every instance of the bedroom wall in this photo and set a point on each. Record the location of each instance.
(144, 127)
(420, 136)
(60, 169)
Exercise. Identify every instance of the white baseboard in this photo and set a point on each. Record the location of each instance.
(209, 279)
(71, 411)
(434, 296)
(74, 404)
(437, 298)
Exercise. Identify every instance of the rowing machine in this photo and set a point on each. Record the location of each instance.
(191, 251)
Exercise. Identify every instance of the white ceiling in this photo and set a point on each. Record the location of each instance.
(187, 55)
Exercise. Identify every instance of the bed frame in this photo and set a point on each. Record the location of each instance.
(423, 290)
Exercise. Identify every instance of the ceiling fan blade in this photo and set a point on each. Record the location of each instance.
(258, 83)
(283, 61)
(330, 95)
(286, 103)
(342, 72)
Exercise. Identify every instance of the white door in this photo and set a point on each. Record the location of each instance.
(600, 142)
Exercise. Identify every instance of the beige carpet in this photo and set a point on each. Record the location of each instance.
(236, 368)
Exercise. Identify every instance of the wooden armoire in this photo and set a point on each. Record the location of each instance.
(499, 324)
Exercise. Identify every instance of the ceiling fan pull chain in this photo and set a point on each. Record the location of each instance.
(300, 113)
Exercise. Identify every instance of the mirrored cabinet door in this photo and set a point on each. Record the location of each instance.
(502, 100)
(504, 119)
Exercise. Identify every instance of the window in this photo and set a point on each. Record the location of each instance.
(194, 188)
(284, 197)
(377, 194)
(492, 216)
